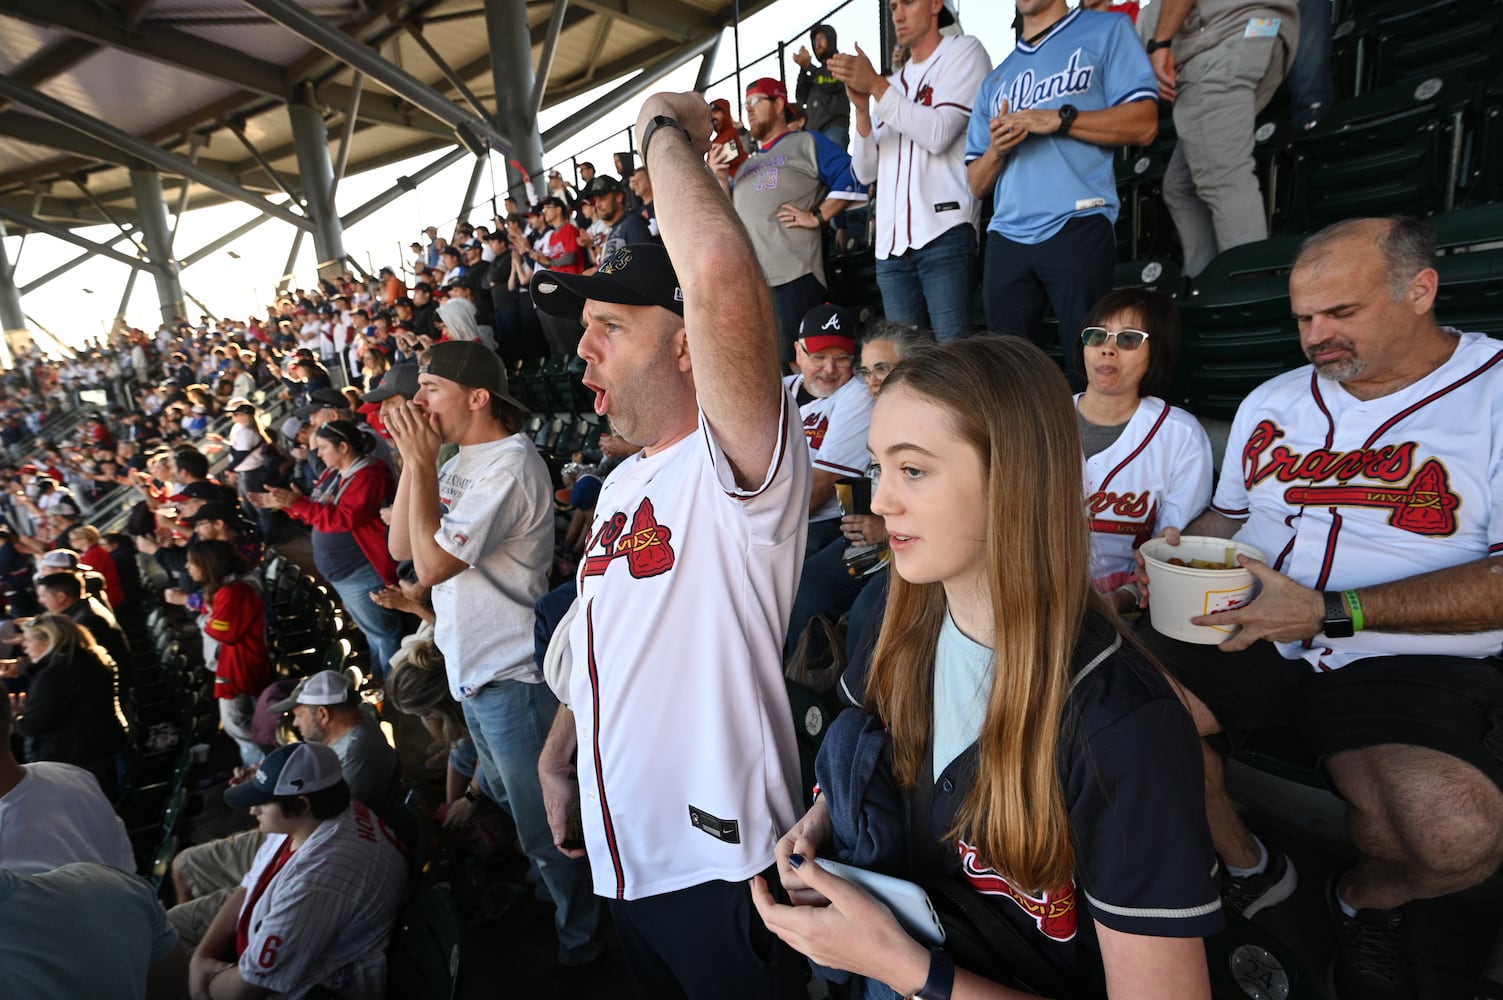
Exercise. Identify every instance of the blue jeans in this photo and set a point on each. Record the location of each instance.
(508, 722)
(383, 627)
(932, 286)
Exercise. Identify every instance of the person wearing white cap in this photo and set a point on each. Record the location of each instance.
(325, 710)
(318, 905)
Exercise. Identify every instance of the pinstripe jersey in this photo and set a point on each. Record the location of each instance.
(688, 769)
(1157, 475)
(1341, 492)
(916, 150)
(327, 916)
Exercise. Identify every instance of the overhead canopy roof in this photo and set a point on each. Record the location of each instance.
(210, 80)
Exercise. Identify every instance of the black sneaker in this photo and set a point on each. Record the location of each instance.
(1369, 963)
(1250, 893)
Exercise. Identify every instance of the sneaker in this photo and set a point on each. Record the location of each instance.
(1369, 963)
(1248, 894)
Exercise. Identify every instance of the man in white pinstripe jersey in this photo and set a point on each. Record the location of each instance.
(318, 905)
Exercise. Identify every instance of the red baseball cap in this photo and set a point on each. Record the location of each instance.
(768, 87)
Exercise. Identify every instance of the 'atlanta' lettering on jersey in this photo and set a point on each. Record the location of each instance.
(1025, 92)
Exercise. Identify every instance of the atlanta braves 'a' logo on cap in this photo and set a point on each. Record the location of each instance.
(645, 548)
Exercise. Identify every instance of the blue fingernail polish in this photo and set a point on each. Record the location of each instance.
(796, 860)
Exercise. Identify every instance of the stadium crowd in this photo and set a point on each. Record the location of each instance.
(939, 529)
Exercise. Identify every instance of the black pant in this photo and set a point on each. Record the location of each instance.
(790, 301)
(1073, 268)
(706, 941)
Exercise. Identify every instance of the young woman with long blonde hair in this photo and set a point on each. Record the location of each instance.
(1043, 763)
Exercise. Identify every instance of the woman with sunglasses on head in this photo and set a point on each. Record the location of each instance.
(349, 537)
(1035, 765)
(1147, 464)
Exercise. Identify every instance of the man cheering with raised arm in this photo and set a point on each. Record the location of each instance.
(687, 762)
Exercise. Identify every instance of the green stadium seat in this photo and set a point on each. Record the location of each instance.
(1484, 182)
(1155, 274)
(427, 948)
(1470, 264)
(1238, 331)
(1393, 150)
(1438, 38)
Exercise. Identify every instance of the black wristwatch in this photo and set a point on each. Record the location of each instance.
(1338, 621)
(941, 981)
(1067, 115)
(1154, 44)
(660, 121)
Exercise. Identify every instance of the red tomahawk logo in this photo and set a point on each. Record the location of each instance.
(645, 549)
(1426, 506)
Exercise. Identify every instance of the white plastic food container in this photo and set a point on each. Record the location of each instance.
(1178, 593)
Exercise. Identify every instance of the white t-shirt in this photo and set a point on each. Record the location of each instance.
(57, 815)
(327, 916)
(247, 439)
(498, 517)
(688, 769)
(836, 428)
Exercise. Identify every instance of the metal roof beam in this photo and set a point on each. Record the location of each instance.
(179, 49)
(99, 249)
(341, 46)
(68, 265)
(545, 64)
(380, 109)
(650, 75)
(415, 32)
(120, 139)
(55, 59)
(663, 17)
(403, 185)
(64, 211)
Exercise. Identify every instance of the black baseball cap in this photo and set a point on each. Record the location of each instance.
(200, 489)
(323, 399)
(399, 380)
(639, 274)
(602, 184)
(553, 200)
(472, 364)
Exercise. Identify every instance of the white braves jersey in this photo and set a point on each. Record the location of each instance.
(327, 915)
(688, 769)
(1157, 475)
(835, 428)
(1343, 493)
(916, 152)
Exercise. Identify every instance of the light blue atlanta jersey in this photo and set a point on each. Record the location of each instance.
(1093, 60)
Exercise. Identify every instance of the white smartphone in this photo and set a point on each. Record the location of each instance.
(907, 901)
